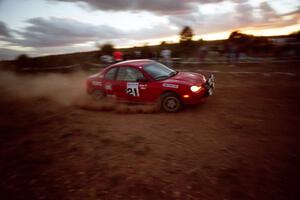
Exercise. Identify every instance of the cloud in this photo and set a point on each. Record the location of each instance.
(267, 11)
(9, 54)
(166, 7)
(192, 20)
(242, 16)
(271, 19)
(203, 24)
(55, 32)
(62, 32)
(208, 23)
(155, 32)
(4, 31)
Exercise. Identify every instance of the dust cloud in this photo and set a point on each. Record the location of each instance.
(64, 89)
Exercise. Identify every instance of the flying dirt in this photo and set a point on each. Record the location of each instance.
(64, 89)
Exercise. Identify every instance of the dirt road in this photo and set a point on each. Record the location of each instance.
(241, 143)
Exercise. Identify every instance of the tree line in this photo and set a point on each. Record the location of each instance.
(186, 47)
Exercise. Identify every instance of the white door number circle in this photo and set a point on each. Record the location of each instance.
(132, 89)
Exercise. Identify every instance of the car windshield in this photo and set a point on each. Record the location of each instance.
(159, 71)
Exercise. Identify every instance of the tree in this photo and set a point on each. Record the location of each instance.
(146, 51)
(238, 37)
(163, 43)
(295, 36)
(245, 43)
(186, 34)
(186, 45)
(235, 35)
(107, 49)
(23, 61)
(241, 41)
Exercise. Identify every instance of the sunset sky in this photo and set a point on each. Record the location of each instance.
(42, 27)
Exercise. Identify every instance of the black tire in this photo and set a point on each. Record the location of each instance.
(170, 102)
(98, 95)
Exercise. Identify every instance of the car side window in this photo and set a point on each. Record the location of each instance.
(129, 74)
(110, 75)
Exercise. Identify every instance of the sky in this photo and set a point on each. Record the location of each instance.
(44, 27)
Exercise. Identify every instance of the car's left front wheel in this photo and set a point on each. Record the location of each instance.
(170, 102)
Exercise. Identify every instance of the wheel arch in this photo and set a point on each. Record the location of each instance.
(171, 91)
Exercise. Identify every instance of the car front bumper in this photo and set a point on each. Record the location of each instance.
(210, 85)
(208, 90)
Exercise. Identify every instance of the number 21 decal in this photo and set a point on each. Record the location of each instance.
(133, 89)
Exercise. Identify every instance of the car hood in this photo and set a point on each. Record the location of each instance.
(188, 78)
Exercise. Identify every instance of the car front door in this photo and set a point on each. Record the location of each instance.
(131, 84)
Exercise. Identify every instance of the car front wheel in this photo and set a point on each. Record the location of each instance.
(170, 102)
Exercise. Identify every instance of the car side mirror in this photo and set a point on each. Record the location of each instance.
(142, 80)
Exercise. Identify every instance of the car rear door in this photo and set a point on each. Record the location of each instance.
(109, 83)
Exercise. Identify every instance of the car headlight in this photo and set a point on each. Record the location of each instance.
(195, 88)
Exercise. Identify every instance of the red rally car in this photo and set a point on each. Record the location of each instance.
(148, 81)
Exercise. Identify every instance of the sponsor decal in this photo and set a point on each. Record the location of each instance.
(108, 86)
(143, 86)
(177, 81)
(169, 85)
(97, 83)
(133, 89)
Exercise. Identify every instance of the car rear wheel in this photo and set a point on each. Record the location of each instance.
(98, 95)
(170, 102)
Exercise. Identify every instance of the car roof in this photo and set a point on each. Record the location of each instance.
(135, 63)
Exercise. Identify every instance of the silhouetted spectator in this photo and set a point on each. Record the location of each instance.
(118, 56)
(232, 54)
(166, 57)
(202, 51)
(137, 54)
(106, 59)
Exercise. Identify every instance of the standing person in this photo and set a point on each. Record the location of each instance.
(137, 54)
(231, 53)
(202, 52)
(106, 59)
(118, 56)
(166, 56)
